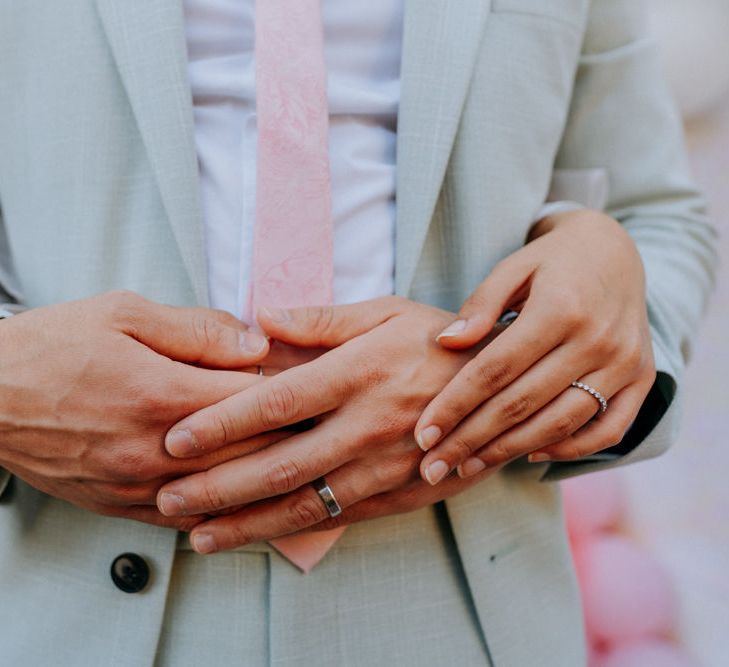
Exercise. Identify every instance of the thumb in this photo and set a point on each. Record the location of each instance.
(327, 326)
(201, 336)
(506, 287)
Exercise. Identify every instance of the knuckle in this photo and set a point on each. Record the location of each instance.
(393, 303)
(368, 373)
(393, 426)
(568, 311)
(221, 428)
(379, 476)
(207, 332)
(462, 447)
(633, 358)
(120, 494)
(279, 405)
(150, 401)
(131, 464)
(515, 410)
(241, 534)
(216, 430)
(500, 451)
(451, 409)
(304, 512)
(402, 468)
(564, 426)
(320, 320)
(123, 306)
(122, 298)
(570, 450)
(282, 477)
(493, 375)
(602, 343)
(613, 434)
(213, 495)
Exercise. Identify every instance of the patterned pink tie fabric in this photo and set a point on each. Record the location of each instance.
(293, 246)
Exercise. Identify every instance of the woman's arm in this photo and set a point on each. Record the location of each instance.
(623, 120)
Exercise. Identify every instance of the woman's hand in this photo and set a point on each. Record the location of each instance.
(366, 393)
(579, 285)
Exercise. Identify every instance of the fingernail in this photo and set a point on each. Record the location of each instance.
(453, 330)
(180, 443)
(428, 437)
(539, 457)
(203, 543)
(436, 471)
(276, 314)
(170, 504)
(251, 343)
(470, 467)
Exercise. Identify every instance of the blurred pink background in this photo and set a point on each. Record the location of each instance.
(679, 504)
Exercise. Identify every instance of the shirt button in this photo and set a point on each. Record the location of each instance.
(130, 573)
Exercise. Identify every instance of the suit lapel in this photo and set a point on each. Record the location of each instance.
(516, 560)
(440, 43)
(148, 43)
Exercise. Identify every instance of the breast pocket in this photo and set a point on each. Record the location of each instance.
(526, 71)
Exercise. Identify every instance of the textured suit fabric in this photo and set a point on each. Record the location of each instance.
(98, 191)
(392, 592)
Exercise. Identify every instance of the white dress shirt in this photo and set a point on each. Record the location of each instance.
(362, 51)
(363, 43)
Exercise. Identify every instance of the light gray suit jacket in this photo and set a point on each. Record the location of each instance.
(98, 190)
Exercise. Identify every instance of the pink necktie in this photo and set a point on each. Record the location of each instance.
(293, 246)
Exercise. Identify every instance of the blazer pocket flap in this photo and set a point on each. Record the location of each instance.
(588, 187)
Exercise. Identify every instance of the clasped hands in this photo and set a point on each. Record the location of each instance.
(399, 377)
(96, 384)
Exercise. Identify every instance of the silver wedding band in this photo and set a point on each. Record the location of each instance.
(327, 496)
(594, 393)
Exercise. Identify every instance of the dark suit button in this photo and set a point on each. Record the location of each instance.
(130, 573)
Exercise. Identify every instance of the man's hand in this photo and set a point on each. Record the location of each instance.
(367, 395)
(89, 388)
